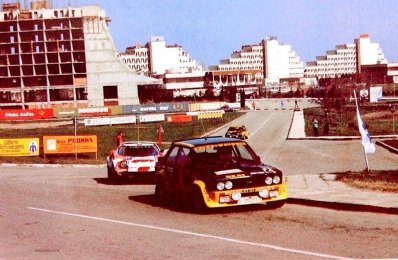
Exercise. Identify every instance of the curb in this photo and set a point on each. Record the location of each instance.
(343, 206)
(386, 146)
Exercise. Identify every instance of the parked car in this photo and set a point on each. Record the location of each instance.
(133, 158)
(227, 108)
(239, 132)
(214, 172)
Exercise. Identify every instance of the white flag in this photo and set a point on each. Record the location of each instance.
(366, 142)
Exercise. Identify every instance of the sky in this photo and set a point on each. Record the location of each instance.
(211, 30)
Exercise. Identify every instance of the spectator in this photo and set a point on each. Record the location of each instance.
(119, 138)
(315, 126)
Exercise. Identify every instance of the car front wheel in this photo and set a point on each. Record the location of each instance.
(276, 204)
(198, 204)
(111, 174)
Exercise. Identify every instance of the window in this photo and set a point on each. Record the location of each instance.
(171, 159)
(110, 92)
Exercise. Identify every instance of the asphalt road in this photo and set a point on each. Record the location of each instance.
(71, 212)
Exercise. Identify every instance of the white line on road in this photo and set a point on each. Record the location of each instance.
(258, 128)
(278, 248)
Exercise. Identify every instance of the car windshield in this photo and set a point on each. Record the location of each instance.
(236, 128)
(140, 151)
(213, 155)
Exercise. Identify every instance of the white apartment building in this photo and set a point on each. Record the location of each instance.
(346, 59)
(273, 59)
(137, 59)
(157, 58)
(368, 53)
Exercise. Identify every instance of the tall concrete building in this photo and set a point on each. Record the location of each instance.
(61, 57)
(346, 59)
(157, 58)
(179, 73)
(272, 59)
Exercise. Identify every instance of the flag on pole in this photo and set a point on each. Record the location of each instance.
(366, 141)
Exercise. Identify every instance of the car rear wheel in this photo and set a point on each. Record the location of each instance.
(162, 194)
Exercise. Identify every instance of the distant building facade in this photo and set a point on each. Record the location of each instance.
(157, 58)
(346, 59)
(273, 59)
(255, 66)
(179, 73)
(61, 57)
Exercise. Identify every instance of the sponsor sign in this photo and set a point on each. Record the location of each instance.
(26, 114)
(65, 112)
(110, 120)
(156, 108)
(210, 114)
(376, 94)
(210, 106)
(94, 111)
(123, 120)
(97, 121)
(152, 118)
(70, 144)
(178, 118)
(19, 147)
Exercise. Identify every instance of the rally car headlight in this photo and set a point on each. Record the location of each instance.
(268, 180)
(276, 179)
(236, 195)
(273, 193)
(220, 186)
(228, 185)
(263, 193)
(123, 164)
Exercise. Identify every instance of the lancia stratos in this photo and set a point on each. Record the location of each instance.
(133, 158)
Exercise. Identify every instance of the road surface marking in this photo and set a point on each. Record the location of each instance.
(265, 121)
(232, 240)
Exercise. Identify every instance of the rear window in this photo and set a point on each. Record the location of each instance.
(140, 151)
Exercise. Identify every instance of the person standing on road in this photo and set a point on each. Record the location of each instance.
(119, 138)
(315, 126)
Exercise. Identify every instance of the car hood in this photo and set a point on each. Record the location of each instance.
(241, 172)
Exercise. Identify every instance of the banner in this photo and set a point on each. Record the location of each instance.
(26, 114)
(19, 147)
(210, 114)
(376, 94)
(369, 147)
(70, 144)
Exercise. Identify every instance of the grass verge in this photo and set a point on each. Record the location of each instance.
(385, 181)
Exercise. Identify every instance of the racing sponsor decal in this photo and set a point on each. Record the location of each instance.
(236, 176)
(231, 171)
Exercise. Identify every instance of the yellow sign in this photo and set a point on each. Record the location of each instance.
(70, 144)
(210, 114)
(19, 147)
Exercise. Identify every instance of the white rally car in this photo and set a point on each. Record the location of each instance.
(132, 158)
